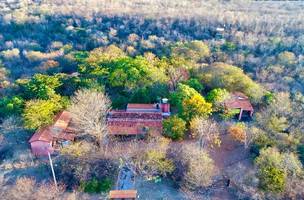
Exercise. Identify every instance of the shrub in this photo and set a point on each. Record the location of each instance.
(96, 186)
(269, 97)
(271, 170)
(237, 132)
(260, 142)
(229, 46)
(272, 179)
(156, 161)
(174, 128)
(11, 106)
(229, 114)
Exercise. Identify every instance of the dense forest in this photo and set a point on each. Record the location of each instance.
(92, 56)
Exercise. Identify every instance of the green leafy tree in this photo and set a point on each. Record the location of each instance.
(39, 113)
(194, 83)
(182, 92)
(11, 106)
(95, 63)
(132, 73)
(150, 94)
(174, 128)
(80, 56)
(190, 103)
(271, 172)
(40, 86)
(217, 97)
(176, 70)
(195, 106)
(231, 78)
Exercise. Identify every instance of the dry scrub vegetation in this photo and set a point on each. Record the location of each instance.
(180, 49)
(259, 17)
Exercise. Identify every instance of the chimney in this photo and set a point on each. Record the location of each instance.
(165, 107)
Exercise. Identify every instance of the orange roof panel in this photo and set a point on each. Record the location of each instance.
(238, 100)
(123, 130)
(57, 130)
(123, 194)
(42, 134)
(62, 120)
(140, 106)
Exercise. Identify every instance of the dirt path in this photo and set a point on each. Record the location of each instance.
(228, 155)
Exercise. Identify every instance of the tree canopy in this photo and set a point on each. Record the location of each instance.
(190, 103)
(232, 78)
(40, 86)
(39, 113)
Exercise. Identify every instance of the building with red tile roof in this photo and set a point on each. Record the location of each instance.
(45, 139)
(239, 101)
(138, 119)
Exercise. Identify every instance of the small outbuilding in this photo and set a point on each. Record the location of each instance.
(137, 119)
(123, 194)
(41, 142)
(239, 101)
(47, 139)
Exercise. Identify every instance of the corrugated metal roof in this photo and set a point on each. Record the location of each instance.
(134, 115)
(238, 100)
(62, 120)
(42, 134)
(57, 130)
(140, 106)
(123, 194)
(123, 130)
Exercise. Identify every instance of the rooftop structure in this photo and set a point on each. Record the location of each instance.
(45, 139)
(138, 118)
(240, 101)
(123, 194)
